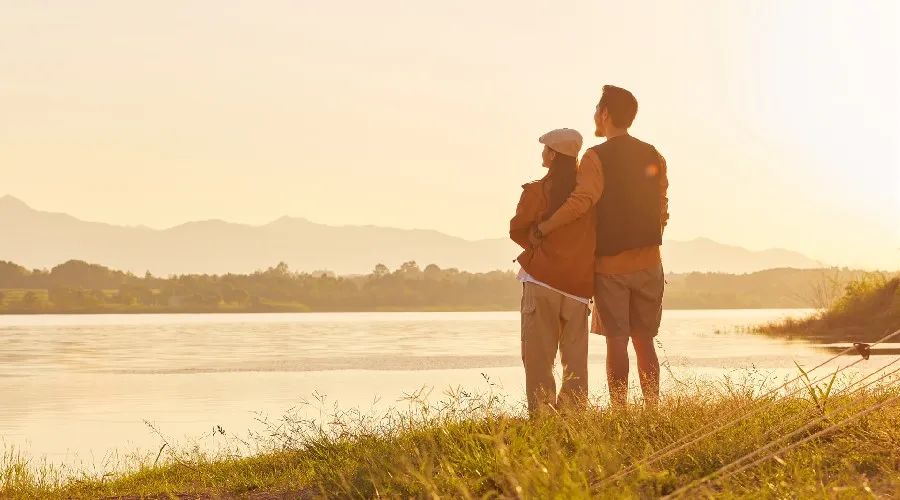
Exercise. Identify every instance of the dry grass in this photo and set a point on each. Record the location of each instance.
(868, 310)
(475, 446)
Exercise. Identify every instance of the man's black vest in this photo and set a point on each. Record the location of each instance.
(628, 213)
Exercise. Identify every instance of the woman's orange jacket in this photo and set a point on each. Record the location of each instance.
(565, 258)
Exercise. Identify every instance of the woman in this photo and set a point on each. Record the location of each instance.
(557, 279)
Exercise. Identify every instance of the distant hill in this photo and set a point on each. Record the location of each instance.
(706, 255)
(38, 239)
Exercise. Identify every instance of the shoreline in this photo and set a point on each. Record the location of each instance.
(104, 311)
(476, 445)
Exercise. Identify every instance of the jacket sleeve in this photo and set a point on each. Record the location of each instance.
(525, 218)
(588, 189)
(663, 192)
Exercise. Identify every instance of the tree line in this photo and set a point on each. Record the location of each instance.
(78, 286)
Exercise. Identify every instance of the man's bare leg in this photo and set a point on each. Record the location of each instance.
(648, 368)
(617, 370)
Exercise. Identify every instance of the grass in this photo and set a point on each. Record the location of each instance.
(476, 446)
(868, 310)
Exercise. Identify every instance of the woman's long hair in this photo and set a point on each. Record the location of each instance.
(562, 180)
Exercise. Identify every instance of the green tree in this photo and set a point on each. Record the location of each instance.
(77, 273)
(380, 271)
(409, 267)
(432, 272)
(281, 269)
(13, 275)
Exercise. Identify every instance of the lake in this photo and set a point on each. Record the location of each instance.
(76, 388)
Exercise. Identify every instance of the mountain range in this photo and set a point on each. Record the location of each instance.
(38, 239)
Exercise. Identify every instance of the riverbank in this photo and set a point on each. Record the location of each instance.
(471, 447)
(868, 310)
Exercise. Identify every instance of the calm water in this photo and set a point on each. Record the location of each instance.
(74, 388)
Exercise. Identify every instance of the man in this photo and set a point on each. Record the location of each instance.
(625, 181)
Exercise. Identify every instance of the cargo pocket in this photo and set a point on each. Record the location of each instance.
(528, 309)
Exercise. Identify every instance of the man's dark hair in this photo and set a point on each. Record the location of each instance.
(621, 105)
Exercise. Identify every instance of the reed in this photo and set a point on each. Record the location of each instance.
(477, 445)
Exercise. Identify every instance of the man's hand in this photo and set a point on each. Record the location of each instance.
(535, 236)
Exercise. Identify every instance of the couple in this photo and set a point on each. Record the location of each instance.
(592, 229)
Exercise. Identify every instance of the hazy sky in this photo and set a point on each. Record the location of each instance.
(779, 119)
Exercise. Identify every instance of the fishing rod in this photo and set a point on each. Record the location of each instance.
(811, 437)
(703, 433)
(720, 473)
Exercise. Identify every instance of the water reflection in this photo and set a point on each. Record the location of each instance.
(76, 387)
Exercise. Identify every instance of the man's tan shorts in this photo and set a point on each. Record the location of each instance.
(630, 304)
